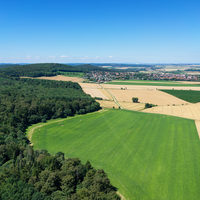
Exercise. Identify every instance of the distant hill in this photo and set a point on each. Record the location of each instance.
(45, 69)
(2, 65)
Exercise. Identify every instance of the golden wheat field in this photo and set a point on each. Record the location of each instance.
(132, 87)
(107, 104)
(146, 96)
(191, 111)
(62, 78)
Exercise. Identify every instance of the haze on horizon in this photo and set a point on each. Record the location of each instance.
(98, 31)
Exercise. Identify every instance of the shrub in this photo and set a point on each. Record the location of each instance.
(135, 100)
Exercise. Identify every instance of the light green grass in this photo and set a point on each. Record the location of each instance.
(154, 83)
(147, 156)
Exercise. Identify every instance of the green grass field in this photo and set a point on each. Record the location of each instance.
(147, 156)
(154, 83)
(191, 96)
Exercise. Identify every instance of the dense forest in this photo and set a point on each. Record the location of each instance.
(45, 69)
(29, 174)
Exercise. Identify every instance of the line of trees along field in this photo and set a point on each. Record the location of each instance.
(36, 175)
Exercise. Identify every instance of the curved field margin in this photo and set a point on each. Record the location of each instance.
(147, 156)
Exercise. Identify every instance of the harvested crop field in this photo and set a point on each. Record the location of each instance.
(146, 156)
(107, 104)
(132, 106)
(62, 78)
(146, 96)
(190, 111)
(94, 92)
(139, 86)
(124, 105)
(174, 84)
(158, 81)
(90, 85)
(124, 95)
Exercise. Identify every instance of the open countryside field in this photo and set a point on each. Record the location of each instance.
(177, 84)
(62, 78)
(115, 95)
(158, 81)
(139, 86)
(191, 96)
(147, 156)
(124, 95)
(94, 92)
(146, 96)
(107, 104)
(190, 111)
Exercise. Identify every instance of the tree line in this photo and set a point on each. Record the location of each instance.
(29, 174)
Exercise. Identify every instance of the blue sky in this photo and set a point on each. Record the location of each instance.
(129, 31)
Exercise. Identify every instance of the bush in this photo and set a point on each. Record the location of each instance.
(149, 105)
(135, 100)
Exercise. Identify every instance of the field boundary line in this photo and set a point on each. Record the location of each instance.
(197, 123)
(113, 97)
(121, 196)
(30, 130)
(186, 102)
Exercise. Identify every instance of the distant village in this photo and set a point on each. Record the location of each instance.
(105, 76)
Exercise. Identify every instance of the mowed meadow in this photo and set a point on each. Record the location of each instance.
(146, 156)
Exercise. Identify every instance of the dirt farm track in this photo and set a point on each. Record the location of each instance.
(121, 96)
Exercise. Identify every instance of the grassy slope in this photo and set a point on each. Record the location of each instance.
(147, 156)
(153, 84)
(187, 95)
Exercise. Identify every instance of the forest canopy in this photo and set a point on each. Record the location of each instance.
(46, 69)
(29, 174)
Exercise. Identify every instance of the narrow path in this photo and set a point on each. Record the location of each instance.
(113, 97)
